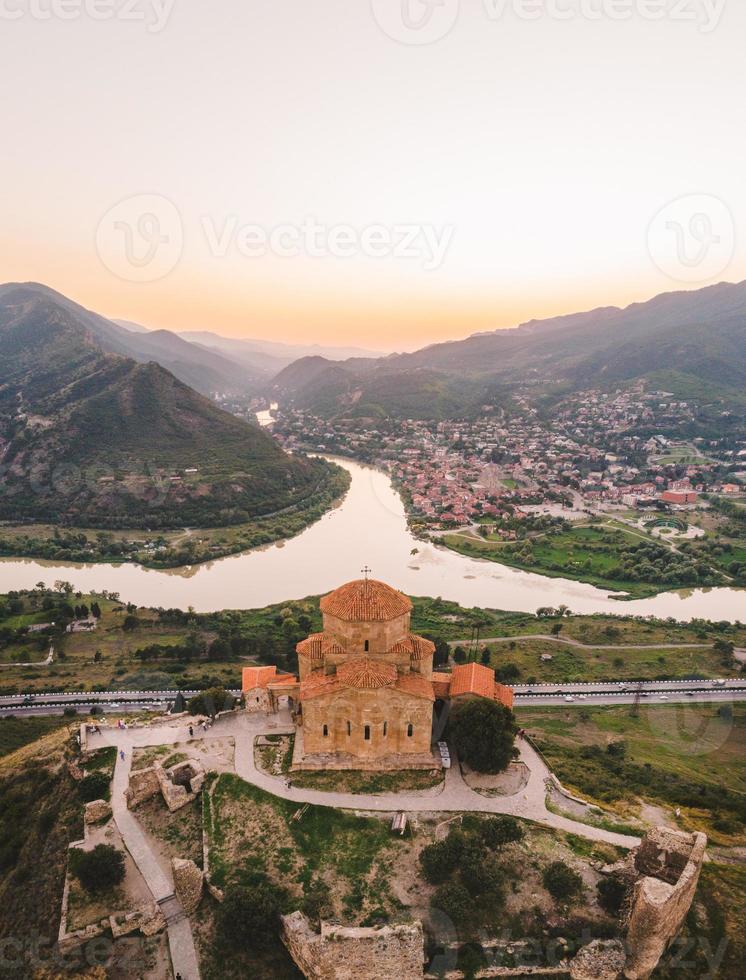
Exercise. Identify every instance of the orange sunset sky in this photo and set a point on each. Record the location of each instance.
(541, 149)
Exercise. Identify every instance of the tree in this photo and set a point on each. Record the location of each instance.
(99, 869)
(562, 883)
(485, 658)
(130, 623)
(211, 702)
(483, 732)
(250, 912)
(459, 655)
(440, 859)
(499, 831)
(612, 892)
(454, 899)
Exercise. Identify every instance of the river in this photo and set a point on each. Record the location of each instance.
(368, 528)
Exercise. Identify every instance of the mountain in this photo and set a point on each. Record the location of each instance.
(95, 438)
(278, 352)
(204, 370)
(693, 343)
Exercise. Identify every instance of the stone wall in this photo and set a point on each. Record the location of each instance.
(382, 710)
(188, 883)
(661, 899)
(339, 953)
(143, 785)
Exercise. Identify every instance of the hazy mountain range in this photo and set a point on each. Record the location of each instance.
(91, 434)
(691, 343)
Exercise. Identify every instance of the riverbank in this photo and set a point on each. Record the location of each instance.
(368, 527)
(170, 549)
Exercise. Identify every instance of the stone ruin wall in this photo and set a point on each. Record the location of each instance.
(671, 863)
(338, 953)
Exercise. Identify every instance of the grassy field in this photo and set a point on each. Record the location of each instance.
(571, 663)
(608, 555)
(17, 732)
(688, 756)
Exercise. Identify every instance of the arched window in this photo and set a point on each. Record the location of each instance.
(410, 730)
(367, 645)
(367, 733)
(326, 731)
(385, 729)
(349, 728)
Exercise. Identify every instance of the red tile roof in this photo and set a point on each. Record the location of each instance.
(416, 646)
(416, 685)
(472, 679)
(254, 677)
(364, 601)
(317, 684)
(367, 674)
(504, 695)
(317, 646)
(441, 684)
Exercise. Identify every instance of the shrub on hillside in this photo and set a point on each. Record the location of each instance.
(99, 869)
(440, 860)
(250, 912)
(612, 892)
(562, 883)
(483, 732)
(499, 831)
(94, 786)
(454, 900)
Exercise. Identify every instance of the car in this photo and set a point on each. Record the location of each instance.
(690, 694)
(569, 697)
(663, 697)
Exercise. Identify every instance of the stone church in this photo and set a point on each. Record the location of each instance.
(367, 689)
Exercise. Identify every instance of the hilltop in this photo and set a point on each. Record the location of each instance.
(691, 343)
(94, 438)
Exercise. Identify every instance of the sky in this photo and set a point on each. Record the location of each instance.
(379, 173)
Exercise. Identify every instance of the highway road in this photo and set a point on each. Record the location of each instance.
(577, 694)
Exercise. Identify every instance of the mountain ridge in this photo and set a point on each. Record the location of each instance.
(94, 438)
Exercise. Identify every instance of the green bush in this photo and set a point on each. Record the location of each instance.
(440, 860)
(99, 869)
(211, 702)
(499, 831)
(94, 786)
(455, 901)
(612, 892)
(483, 732)
(562, 883)
(250, 913)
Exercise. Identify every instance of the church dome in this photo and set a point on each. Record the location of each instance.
(366, 601)
(367, 674)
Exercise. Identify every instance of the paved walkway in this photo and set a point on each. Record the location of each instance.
(452, 796)
(180, 939)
